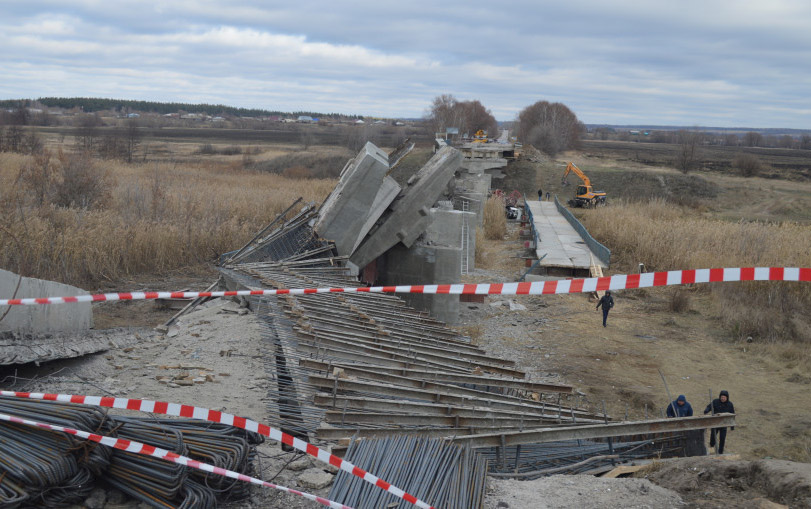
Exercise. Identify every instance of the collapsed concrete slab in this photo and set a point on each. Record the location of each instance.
(356, 199)
(409, 214)
(389, 189)
(60, 318)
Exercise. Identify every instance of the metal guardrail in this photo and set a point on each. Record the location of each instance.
(531, 222)
(602, 252)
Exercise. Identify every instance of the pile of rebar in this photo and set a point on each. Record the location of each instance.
(443, 474)
(532, 461)
(52, 469)
(46, 468)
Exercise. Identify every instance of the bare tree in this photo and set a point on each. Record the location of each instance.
(752, 139)
(467, 116)
(805, 142)
(731, 140)
(786, 141)
(550, 127)
(14, 139)
(687, 151)
(444, 113)
(748, 165)
(132, 139)
(88, 133)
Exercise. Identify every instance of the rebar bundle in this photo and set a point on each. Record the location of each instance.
(445, 475)
(52, 469)
(43, 468)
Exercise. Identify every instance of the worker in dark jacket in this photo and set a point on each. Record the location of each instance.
(607, 302)
(721, 405)
(680, 408)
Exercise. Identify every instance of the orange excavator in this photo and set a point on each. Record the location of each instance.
(585, 195)
(480, 136)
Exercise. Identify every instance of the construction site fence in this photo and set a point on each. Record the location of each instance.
(599, 250)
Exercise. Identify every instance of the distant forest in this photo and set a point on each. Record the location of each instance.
(91, 104)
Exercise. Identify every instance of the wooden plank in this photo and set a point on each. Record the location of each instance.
(624, 469)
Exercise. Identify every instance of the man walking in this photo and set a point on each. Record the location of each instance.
(607, 302)
(540, 194)
(721, 405)
(680, 408)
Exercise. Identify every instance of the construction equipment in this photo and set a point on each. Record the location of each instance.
(480, 136)
(585, 195)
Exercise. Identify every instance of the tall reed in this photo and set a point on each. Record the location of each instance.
(159, 217)
(667, 237)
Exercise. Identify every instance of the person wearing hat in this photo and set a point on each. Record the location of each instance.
(721, 405)
(607, 302)
(680, 408)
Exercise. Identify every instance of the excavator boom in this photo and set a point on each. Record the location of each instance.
(572, 168)
(584, 196)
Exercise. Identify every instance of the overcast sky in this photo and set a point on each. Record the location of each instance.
(711, 63)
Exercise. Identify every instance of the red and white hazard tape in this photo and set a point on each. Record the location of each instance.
(618, 282)
(157, 452)
(205, 414)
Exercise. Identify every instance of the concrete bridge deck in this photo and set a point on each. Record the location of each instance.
(558, 240)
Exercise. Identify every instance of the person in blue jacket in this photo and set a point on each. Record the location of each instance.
(721, 405)
(680, 408)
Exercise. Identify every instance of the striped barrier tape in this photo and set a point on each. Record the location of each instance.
(617, 282)
(157, 452)
(205, 414)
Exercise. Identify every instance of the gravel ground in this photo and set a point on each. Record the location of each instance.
(583, 491)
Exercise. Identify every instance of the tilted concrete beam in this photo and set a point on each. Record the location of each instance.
(347, 209)
(409, 215)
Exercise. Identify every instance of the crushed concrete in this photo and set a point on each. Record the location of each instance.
(582, 491)
(315, 479)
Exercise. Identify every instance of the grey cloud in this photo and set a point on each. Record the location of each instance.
(686, 62)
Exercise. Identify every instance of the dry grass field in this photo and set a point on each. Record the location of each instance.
(753, 339)
(149, 217)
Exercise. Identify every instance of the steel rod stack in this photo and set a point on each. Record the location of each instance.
(446, 475)
(45, 468)
(365, 362)
(52, 469)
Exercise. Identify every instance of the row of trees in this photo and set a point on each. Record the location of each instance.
(747, 139)
(467, 116)
(118, 143)
(94, 104)
(550, 127)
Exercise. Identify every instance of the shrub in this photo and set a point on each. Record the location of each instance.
(297, 172)
(747, 165)
(316, 165)
(495, 218)
(206, 149)
(679, 300)
(83, 185)
(231, 150)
